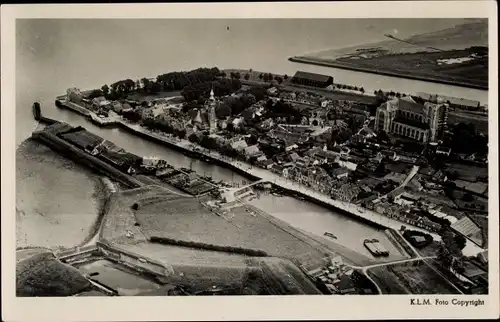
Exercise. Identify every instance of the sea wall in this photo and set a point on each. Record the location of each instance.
(84, 158)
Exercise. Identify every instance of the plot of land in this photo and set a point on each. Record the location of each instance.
(165, 214)
(410, 278)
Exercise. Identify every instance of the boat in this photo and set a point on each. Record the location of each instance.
(330, 235)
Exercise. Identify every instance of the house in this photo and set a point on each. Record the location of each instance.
(239, 145)
(273, 91)
(262, 158)
(126, 107)
(116, 106)
(252, 151)
(343, 162)
(345, 285)
(294, 157)
(324, 103)
(289, 146)
(99, 101)
(443, 151)
(237, 122)
(340, 173)
(267, 164)
(346, 192)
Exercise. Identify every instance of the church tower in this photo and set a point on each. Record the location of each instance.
(212, 119)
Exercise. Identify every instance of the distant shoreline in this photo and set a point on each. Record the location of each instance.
(341, 65)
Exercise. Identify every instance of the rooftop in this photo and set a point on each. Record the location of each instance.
(312, 76)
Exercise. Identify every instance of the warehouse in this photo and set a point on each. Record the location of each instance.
(311, 79)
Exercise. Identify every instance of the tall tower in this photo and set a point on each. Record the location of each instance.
(212, 103)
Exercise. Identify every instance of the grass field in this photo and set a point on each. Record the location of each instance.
(43, 275)
(410, 278)
(165, 214)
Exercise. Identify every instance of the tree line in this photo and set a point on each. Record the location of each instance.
(220, 248)
(221, 87)
(164, 82)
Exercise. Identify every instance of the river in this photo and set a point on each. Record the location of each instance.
(53, 55)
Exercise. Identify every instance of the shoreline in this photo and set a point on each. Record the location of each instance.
(339, 65)
(364, 215)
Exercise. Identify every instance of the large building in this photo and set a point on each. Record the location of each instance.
(421, 121)
(311, 79)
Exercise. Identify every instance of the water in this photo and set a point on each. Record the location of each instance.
(53, 55)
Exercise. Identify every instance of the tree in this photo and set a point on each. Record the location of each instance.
(285, 77)
(247, 76)
(444, 257)
(467, 197)
(261, 76)
(458, 265)
(193, 138)
(95, 93)
(156, 87)
(105, 89)
(135, 206)
(223, 110)
(362, 90)
(382, 136)
(279, 79)
(460, 241)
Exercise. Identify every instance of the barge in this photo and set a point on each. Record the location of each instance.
(330, 235)
(375, 248)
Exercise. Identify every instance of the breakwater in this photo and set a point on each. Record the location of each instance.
(385, 72)
(79, 156)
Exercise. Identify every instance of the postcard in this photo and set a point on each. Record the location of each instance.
(250, 161)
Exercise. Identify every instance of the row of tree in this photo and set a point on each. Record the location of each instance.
(179, 80)
(449, 253)
(466, 139)
(381, 93)
(165, 82)
(163, 125)
(220, 248)
(221, 87)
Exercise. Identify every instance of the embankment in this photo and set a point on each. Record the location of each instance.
(81, 157)
(386, 72)
(105, 188)
(44, 275)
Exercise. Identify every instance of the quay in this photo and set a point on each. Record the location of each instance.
(256, 173)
